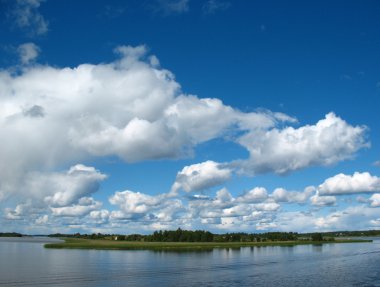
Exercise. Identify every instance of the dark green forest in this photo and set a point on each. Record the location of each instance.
(10, 234)
(181, 235)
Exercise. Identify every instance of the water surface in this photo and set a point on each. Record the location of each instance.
(24, 262)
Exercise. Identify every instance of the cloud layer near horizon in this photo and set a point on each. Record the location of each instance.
(256, 209)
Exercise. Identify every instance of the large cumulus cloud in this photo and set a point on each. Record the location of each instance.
(327, 142)
(359, 182)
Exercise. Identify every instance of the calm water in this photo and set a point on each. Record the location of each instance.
(24, 262)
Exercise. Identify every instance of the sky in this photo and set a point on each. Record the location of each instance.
(228, 116)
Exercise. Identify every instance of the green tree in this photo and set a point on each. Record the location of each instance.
(317, 237)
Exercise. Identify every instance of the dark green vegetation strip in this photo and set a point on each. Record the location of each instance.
(10, 234)
(74, 243)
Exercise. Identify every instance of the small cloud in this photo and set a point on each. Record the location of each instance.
(170, 7)
(267, 206)
(322, 201)
(25, 15)
(85, 206)
(346, 77)
(113, 11)
(376, 163)
(263, 28)
(199, 197)
(375, 200)
(42, 219)
(255, 195)
(375, 222)
(361, 199)
(153, 60)
(282, 195)
(212, 6)
(28, 52)
(361, 74)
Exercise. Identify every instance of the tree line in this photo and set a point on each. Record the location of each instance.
(10, 234)
(181, 235)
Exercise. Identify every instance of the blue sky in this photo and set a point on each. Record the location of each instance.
(133, 116)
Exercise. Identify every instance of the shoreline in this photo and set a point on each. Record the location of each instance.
(95, 244)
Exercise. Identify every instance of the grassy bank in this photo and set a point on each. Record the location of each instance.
(74, 243)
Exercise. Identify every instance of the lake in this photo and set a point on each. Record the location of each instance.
(25, 262)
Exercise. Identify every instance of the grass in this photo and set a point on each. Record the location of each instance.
(79, 243)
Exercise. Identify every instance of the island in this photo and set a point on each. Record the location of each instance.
(199, 240)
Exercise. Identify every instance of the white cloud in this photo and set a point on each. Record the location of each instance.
(375, 222)
(17, 213)
(204, 119)
(351, 218)
(295, 221)
(170, 7)
(329, 141)
(321, 201)
(201, 176)
(25, 211)
(28, 52)
(65, 188)
(261, 120)
(141, 207)
(375, 200)
(213, 207)
(212, 6)
(223, 197)
(349, 184)
(134, 202)
(282, 195)
(170, 211)
(267, 206)
(255, 195)
(84, 207)
(26, 16)
(60, 193)
(42, 220)
(377, 163)
(101, 215)
(239, 213)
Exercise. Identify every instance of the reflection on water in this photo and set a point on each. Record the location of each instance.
(24, 262)
(317, 247)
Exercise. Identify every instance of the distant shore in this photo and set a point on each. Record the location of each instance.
(78, 243)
